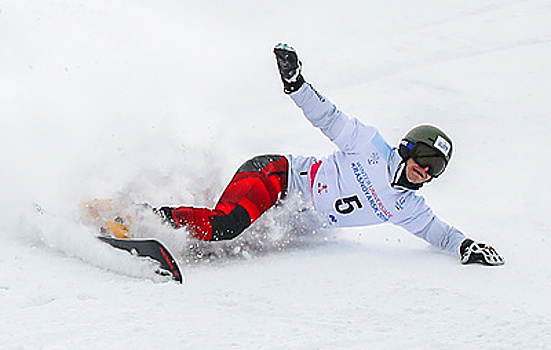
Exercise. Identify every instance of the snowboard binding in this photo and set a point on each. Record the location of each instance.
(118, 227)
(113, 219)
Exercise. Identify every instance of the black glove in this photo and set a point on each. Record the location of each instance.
(481, 253)
(289, 67)
(165, 213)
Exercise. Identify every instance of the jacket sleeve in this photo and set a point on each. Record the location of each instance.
(349, 134)
(424, 224)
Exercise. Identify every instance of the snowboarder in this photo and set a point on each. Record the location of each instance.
(365, 182)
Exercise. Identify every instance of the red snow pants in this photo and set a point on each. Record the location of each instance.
(256, 187)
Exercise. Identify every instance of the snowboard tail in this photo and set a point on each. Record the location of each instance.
(150, 248)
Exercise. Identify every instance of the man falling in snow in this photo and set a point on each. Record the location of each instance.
(365, 182)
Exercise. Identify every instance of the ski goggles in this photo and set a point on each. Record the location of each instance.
(427, 156)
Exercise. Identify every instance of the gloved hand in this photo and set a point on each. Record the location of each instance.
(481, 253)
(289, 67)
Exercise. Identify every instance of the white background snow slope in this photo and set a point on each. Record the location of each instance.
(160, 101)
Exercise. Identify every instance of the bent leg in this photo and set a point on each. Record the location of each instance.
(256, 187)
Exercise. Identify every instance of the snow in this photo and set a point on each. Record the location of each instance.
(160, 102)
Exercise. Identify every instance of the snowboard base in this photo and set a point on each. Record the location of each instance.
(150, 248)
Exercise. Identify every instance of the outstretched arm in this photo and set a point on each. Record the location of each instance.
(424, 224)
(344, 131)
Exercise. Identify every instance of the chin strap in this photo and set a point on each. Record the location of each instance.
(400, 180)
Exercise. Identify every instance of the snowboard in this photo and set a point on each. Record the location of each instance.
(150, 248)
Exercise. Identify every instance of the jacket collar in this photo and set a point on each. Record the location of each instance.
(396, 168)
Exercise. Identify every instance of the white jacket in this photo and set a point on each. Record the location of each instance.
(353, 185)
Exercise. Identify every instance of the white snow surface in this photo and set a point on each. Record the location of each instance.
(160, 102)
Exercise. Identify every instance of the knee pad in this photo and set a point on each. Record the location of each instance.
(229, 226)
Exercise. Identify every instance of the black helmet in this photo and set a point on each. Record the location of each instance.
(429, 147)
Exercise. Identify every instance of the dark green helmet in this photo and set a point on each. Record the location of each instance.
(428, 146)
